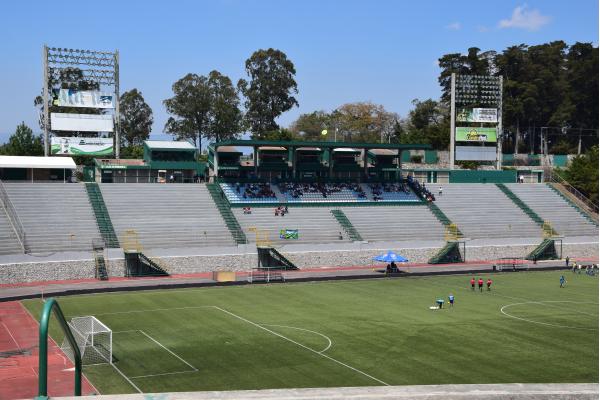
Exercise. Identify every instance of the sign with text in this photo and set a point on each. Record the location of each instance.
(487, 135)
(81, 98)
(477, 115)
(81, 146)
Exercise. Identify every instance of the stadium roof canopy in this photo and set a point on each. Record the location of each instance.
(168, 145)
(329, 145)
(37, 162)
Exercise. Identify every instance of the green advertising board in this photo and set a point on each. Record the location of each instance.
(466, 134)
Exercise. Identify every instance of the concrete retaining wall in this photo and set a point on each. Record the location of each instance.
(84, 269)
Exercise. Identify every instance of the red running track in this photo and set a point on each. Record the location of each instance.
(19, 358)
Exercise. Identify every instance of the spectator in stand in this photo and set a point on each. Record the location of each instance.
(440, 191)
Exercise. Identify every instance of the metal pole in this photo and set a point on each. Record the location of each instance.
(452, 118)
(117, 112)
(499, 135)
(45, 84)
(579, 144)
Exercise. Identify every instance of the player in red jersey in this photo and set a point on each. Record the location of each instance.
(473, 283)
(480, 284)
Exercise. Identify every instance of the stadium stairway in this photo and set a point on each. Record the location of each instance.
(566, 219)
(224, 208)
(55, 216)
(9, 244)
(314, 224)
(395, 223)
(346, 225)
(105, 225)
(165, 215)
(483, 211)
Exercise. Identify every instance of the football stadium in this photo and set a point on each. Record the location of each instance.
(356, 255)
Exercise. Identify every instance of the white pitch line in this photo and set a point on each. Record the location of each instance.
(538, 322)
(152, 310)
(166, 373)
(306, 330)
(179, 358)
(301, 345)
(126, 378)
(11, 336)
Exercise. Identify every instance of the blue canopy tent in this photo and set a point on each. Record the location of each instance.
(390, 257)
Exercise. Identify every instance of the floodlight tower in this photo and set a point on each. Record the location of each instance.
(97, 67)
(477, 91)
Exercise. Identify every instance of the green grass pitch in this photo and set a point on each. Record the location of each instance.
(346, 333)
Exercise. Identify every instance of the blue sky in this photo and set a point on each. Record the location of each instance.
(344, 51)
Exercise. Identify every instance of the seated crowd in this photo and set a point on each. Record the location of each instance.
(420, 189)
(378, 189)
(296, 190)
(255, 190)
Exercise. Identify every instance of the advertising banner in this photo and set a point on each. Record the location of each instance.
(81, 122)
(81, 98)
(464, 134)
(477, 115)
(288, 234)
(81, 146)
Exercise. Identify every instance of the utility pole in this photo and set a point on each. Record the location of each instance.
(45, 96)
(452, 118)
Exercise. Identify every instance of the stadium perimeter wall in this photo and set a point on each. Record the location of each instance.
(15, 273)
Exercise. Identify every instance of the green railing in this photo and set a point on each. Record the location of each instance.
(52, 305)
(225, 210)
(343, 220)
(521, 204)
(450, 253)
(544, 251)
(580, 210)
(443, 218)
(105, 225)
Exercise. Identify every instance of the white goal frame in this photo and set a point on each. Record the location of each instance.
(93, 338)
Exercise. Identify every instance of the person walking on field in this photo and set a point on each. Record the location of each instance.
(480, 284)
(473, 283)
(563, 281)
(451, 300)
(489, 284)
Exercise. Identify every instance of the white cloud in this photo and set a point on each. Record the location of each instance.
(524, 18)
(453, 26)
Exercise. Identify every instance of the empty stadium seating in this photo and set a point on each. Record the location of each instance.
(395, 223)
(55, 216)
(483, 211)
(548, 204)
(9, 244)
(314, 224)
(163, 216)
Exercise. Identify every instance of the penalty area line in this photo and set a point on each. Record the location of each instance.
(301, 345)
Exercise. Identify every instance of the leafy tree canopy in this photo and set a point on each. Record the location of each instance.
(270, 91)
(23, 143)
(136, 118)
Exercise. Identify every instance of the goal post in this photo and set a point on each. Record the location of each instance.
(93, 338)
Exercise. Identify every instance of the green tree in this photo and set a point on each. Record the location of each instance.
(310, 126)
(224, 118)
(136, 118)
(23, 143)
(583, 173)
(203, 106)
(190, 109)
(428, 124)
(270, 91)
(281, 134)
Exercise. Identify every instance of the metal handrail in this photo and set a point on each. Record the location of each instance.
(13, 217)
(555, 178)
(52, 305)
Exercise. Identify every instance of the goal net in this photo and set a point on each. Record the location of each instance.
(93, 338)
